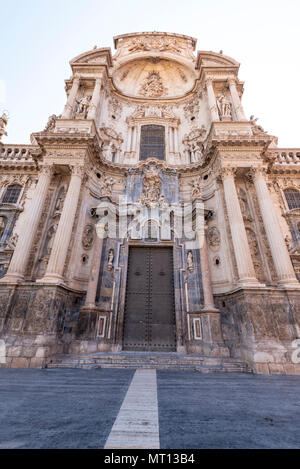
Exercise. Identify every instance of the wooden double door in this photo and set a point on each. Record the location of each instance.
(149, 319)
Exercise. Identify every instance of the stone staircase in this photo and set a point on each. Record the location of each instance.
(160, 361)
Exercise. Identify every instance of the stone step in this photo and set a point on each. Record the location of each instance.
(148, 360)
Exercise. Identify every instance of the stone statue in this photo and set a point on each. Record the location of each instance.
(12, 242)
(51, 123)
(110, 259)
(2, 226)
(3, 124)
(190, 262)
(83, 106)
(51, 236)
(224, 106)
(257, 129)
(60, 202)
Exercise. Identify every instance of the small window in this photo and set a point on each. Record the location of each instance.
(152, 142)
(293, 198)
(12, 194)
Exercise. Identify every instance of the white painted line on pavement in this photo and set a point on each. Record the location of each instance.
(136, 425)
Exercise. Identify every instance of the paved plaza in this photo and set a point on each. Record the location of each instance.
(120, 408)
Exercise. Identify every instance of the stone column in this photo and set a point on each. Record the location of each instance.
(175, 140)
(21, 253)
(55, 268)
(212, 100)
(209, 304)
(280, 254)
(95, 100)
(95, 269)
(67, 113)
(128, 143)
(134, 139)
(236, 101)
(241, 248)
(171, 149)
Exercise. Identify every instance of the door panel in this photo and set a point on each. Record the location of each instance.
(149, 320)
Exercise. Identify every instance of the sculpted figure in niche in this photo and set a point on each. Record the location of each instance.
(190, 262)
(224, 106)
(110, 259)
(2, 226)
(51, 235)
(83, 106)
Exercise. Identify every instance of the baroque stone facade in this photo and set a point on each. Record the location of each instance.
(152, 150)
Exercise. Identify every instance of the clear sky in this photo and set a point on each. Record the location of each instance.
(40, 37)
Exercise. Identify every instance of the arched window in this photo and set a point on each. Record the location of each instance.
(12, 194)
(293, 198)
(152, 142)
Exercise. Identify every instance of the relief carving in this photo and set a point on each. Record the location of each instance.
(153, 86)
(151, 196)
(88, 236)
(213, 237)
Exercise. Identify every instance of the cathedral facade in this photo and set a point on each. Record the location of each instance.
(152, 215)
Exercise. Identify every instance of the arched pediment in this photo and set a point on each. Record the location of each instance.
(212, 59)
(99, 56)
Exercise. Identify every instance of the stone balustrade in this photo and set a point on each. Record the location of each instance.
(20, 153)
(289, 156)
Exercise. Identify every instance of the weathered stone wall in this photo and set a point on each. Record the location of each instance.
(260, 327)
(33, 320)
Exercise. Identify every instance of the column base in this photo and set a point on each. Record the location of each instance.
(12, 278)
(209, 309)
(249, 282)
(51, 278)
(289, 283)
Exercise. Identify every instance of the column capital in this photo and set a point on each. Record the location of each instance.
(46, 169)
(254, 173)
(208, 81)
(77, 170)
(231, 81)
(227, 172)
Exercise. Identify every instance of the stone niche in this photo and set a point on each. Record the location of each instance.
(154, 78)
